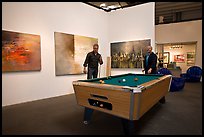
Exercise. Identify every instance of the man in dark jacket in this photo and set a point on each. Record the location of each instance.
(93, 58)
(150, 62)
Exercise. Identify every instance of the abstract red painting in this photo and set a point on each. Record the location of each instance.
(20, 52)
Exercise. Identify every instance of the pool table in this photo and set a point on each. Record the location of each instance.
(128, 96)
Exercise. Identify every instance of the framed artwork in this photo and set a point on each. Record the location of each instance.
(20, 52)
(190, 58)
(166, 57)
(179, 58)
(128, 54)
(70, 52)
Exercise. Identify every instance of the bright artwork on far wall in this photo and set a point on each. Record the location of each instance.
(70, 52)
(179, 58)
(20, 52)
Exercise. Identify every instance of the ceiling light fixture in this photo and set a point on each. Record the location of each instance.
(112, 7)
(103, 5)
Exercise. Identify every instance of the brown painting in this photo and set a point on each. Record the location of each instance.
(20, 52)
(70, 52)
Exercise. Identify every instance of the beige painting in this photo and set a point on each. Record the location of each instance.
(70, 52)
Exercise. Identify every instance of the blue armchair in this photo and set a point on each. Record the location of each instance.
(193, 74)
(164, 71)
(177, 83)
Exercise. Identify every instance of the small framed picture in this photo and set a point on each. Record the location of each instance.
(166, 57)
(190, 58)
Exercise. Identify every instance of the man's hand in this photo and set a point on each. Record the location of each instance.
(85, 71)
(149, 71)
(100, 60)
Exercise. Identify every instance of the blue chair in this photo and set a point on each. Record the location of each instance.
(164, 71)
(177, 83)
(193, 74)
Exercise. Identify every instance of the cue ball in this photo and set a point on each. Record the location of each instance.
(136, 79)
(124, 80)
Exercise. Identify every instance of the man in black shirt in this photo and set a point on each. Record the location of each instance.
(93, 58)
(150, 61)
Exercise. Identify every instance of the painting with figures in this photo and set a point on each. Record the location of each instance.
(129, 54)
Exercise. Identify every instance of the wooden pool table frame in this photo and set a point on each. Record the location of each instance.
(125, 103)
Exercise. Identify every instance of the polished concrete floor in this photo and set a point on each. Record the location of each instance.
(180, 115)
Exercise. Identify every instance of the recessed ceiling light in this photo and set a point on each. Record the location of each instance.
(112, 7)
(103, 5)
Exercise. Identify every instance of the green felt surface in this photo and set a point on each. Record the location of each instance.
(129, 79)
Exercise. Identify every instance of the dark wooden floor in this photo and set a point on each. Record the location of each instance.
(180, 115)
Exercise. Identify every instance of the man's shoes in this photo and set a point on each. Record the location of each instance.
(86, 122)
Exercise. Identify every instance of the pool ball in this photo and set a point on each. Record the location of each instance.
(119, 81)
(101, 81)
(124, 80)
(136, 79)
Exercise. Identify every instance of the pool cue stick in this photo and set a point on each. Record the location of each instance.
(142, 59)
(108, 67)
(99, 71)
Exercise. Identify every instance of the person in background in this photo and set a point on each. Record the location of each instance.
(150, 61)
(93, 59)
(160, 65)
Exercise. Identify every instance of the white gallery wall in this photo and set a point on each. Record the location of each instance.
(45, 18)
(132, 24)
(182, 32)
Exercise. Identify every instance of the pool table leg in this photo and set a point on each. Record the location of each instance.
(128, 126)
(87, 115)
(162, 100)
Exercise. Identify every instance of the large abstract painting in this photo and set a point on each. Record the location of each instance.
(128, 54)
(20, 52)
(70, 52)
